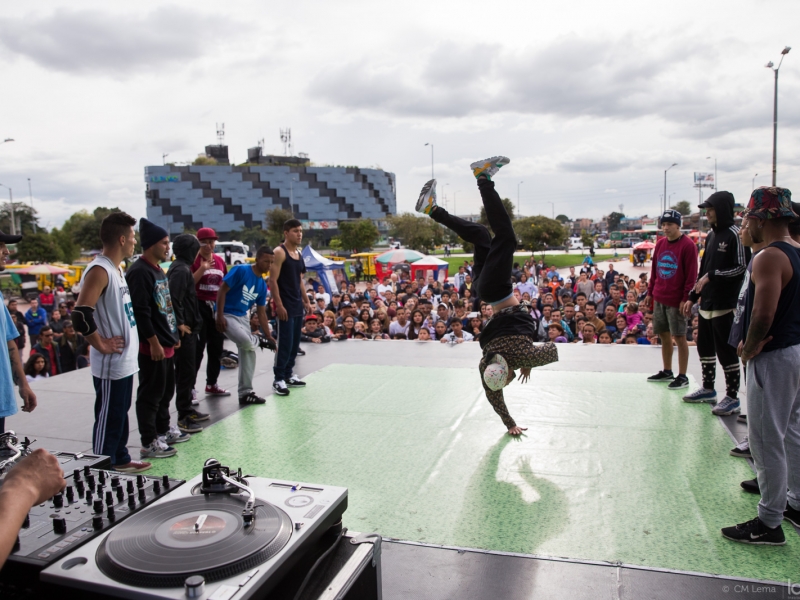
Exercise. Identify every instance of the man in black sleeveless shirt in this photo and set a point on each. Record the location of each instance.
(771, 350)
(291, 304)
(507, 340)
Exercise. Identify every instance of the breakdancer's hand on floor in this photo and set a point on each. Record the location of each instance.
(524, 375)
(516, 430)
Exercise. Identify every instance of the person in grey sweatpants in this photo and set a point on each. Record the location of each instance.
(243, 287)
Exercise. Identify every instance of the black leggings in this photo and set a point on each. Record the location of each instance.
(712, 344)
(494, 256)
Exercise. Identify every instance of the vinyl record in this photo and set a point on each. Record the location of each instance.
(201, 535)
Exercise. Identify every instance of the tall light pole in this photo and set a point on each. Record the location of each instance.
(13, 215)
(553, 204)
(754, 180)
(164, 158)
(519, 212)
(444, 195)
(431, 145)
(715, 170)
(665, 185)
(770, 65)
(30, 197)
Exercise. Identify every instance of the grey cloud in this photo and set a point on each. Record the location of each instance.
(571, 77)
(91, 41)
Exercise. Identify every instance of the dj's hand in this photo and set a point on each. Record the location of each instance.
(39, 476)
(28, 398)
(516, 430)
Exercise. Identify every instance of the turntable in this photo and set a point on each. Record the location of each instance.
(221, 536)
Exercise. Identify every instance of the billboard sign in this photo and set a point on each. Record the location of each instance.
(318, 225)
(703, 180)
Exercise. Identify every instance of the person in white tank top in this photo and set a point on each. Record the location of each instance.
(104, 315)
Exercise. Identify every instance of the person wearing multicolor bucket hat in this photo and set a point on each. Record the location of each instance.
(508, 338)
(771, 350)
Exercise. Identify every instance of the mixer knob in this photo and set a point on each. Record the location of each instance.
(110, 513)
(98, 506)
(101, 477)
(194, 586)
(109, 498)
(80, 487)
(58, 500)
(156, 487)
(142, 495)
(90, 480)
(99, 489)
(120, 494)
(165, 481)
(89, 496)
(70, 494)
(59, 525)
(76, 475)
(129, 487)
(115, 481)
(97, 522)
(140, 479)
(87, 471)
(131, 502)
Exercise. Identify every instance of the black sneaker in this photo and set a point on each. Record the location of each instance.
(280, 388)
(266, 343)
(751, 486)
(755, 532)
(661, 377)
(301, 352)
(251, 398)
(295, 381)
(680, 382)
(187, 425)
(741, 419)
(196, 415)
(792, 515)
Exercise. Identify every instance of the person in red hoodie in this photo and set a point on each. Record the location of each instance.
(672, 277)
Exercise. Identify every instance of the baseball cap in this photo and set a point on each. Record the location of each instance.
(206, 233)
(312, 318)
(9, 239)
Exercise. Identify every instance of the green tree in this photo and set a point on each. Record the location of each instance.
(539, 233)
(69, 249)
(683, 207)
(586, 239)
(206, 161)
(562, 219)
(255, 236)
(483, 220)
(38, 247)
(275, 220)
(356, 235)
(417, 232)
(24, 216)
(84, 227)
(613, 221)
(336, 244)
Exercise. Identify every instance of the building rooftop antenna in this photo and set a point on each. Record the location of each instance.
(221, 134)
(286, 139)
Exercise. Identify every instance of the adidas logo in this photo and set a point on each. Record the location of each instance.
(249, 294)
(723, 246)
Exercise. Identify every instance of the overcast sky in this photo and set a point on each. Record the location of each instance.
(591, 101)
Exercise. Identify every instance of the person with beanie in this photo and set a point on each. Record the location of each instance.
(721, 274)
(672, 277)
(158, 334)
(187, 317)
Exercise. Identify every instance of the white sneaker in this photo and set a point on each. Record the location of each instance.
(195, 399)
(157, 449)
(174, 436)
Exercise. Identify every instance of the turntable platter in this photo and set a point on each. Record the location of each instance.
(201, 535)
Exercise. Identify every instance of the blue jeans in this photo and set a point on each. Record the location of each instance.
(288, 344)
(111, 406)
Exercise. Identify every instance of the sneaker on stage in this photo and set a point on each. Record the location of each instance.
(196, 416)
(427, 198)
(187, 425)
(215, 390)
(680, 382)
(728, 406)
(741, 419)
(280, 388)
(701, 395)
(755, 532)
(488, 167)
(157, 449)
(301, 352)
(661, 377)
(174, 436)
(135, 466)
(251, 398)
(792, 515)
(742, 449)
(195, 399)
(751, 486)
(295, 381)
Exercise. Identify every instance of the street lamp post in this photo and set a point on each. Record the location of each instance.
(519, 212)
(665, 185)
(13, 215)
(431, 145)
(715, 170)
(770, 65)
(754, 181)
(30, 197)
(553, 205)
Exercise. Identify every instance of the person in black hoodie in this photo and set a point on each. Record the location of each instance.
(187, 316)
(719, 281)
(158, 338)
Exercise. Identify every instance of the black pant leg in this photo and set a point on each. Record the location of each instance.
(726, 353)
(474, 233)
(185, 374)
(168, 390)
(495, 282)
(212, 340)
(706, 349)
(148, 397)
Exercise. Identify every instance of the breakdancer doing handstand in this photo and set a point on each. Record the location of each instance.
(508, 338)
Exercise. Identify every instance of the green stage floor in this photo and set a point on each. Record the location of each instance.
(611, 469)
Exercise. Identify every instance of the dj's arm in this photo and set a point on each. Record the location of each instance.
(30, 482)
(25, 391)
